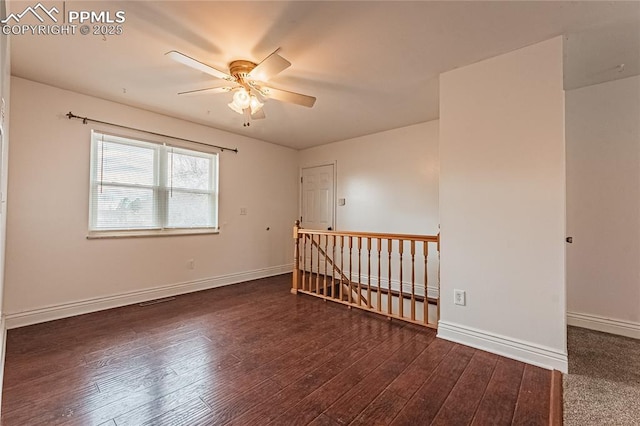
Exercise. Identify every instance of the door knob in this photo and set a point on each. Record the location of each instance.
(329, 229)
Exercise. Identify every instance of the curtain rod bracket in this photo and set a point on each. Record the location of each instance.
(71, 115)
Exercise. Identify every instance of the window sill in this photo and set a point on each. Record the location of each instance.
(96, 235)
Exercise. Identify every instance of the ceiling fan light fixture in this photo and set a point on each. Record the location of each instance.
(240, 104)
(241, 99)
(234, 107)
(255, 104)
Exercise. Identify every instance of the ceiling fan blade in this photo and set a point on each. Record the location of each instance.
(258, 115)
(286, 96)
(195, 64)
(208, 90)
(270, 66)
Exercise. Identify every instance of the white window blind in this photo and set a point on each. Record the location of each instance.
(138, 185)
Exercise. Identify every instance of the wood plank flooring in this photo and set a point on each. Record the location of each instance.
(254, 354)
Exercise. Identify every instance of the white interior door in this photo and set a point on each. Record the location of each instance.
(318, 198)
(317, 209)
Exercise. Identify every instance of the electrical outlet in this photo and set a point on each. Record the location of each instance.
(459, 297)
(192, 264)
(243, 211)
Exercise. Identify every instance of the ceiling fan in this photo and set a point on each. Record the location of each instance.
(247, 80)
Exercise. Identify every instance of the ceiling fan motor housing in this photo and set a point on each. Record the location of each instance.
(240, 70)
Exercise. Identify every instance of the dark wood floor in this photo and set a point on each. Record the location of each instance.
(254, 354)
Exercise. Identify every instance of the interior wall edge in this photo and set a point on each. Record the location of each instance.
(3, 350)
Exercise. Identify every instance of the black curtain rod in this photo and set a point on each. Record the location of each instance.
(85, 120)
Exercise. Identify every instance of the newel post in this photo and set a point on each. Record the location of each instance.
(438, 303)
(296, 258)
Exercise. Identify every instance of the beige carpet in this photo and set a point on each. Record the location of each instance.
(603, 384)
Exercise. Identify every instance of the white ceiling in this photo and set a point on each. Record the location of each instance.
(373, 66)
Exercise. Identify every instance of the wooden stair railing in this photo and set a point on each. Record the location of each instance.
(344, 283)
(403, 293)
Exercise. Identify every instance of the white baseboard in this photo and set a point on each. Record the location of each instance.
(607, 325)
(541, 356)
(50, 313)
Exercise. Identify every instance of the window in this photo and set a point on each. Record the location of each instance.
(143, 188)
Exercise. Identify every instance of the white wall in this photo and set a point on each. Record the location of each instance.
(502, 204)
(5, 82)
(53, 270)
(603, 206)
(389, 179)
(390, 184)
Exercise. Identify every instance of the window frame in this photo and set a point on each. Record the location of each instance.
(160, 187)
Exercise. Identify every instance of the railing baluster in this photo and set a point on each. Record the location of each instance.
(304, 262)
(379, 305)
(426, 288)
(413, 280)
(326, 247)
(401, 293)
(368, 272)
(350, 270)
(333, 272)
(389, 293)
(311, 263)
(318, 266)
(359, 269)
(341, 265)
